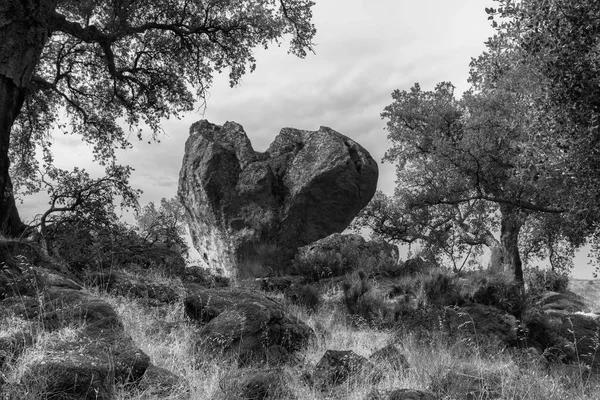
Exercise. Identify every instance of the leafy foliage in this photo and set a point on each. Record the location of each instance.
(164, 225)
(513, 154)
(540, 281)
(364, 304)
(557, 41)
(306, 295)
(83, 202)
(111, 65)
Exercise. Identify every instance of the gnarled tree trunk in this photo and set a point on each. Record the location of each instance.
(510, 225)
(24, 31)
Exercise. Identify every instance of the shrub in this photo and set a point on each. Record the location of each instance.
(497, 290)
(205, 277)
(305, 295)
(321, 266)
(363, 303)
(542, 280)
(441, 289)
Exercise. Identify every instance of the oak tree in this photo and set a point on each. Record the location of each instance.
(79, 201)
(465, 170)
(164, 224)
(94, 67)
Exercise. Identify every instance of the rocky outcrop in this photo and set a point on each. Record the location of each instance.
(85, 350)
(566, 301)
(263, 384)
(130, 285)
(63, 341)
(339, 254)
(246, 324)
(248, 212)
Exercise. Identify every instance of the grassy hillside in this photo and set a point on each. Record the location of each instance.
(463, 364)
(447, 368)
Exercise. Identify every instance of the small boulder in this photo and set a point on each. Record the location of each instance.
(253, 384)
(245, 323)
(564, 337)
(339, 254)
(132, 286)
(468, 383)
(339, 366)
(205, 277)
(85, 368)
(392, 356)
(566, 301)
(478, 321)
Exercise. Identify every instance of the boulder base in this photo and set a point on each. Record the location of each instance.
(339, 254)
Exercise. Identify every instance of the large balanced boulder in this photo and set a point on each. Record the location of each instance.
(249, 212)
(245, 324)
(339, 254)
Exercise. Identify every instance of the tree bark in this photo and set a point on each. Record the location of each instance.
(510, 226)
(11, 101)
(24, 32)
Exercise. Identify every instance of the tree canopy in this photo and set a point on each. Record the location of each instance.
(165, 224)
(517, 153)
(105, 69)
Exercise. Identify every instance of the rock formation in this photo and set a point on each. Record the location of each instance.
(82, 349)
(249, 211)
(339, 366)
(339, 254)
(245, 323)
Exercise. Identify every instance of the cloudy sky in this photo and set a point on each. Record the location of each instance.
(365, 49)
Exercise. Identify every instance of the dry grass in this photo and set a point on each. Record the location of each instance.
(451, 370)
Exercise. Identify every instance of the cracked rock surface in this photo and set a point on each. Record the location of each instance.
(250, 211)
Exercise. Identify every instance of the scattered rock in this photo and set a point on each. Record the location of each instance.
(249, 212)
(479, 321)
(339, 366)
(85, 368)
(129, 285)
(205, 277)
(339, 254)
(252, 384)
(245, 323)
(564, 337)
(278, 284)
(392, 356)
(67, 343)
(469, 384)
(400, 394)
(566, 301)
